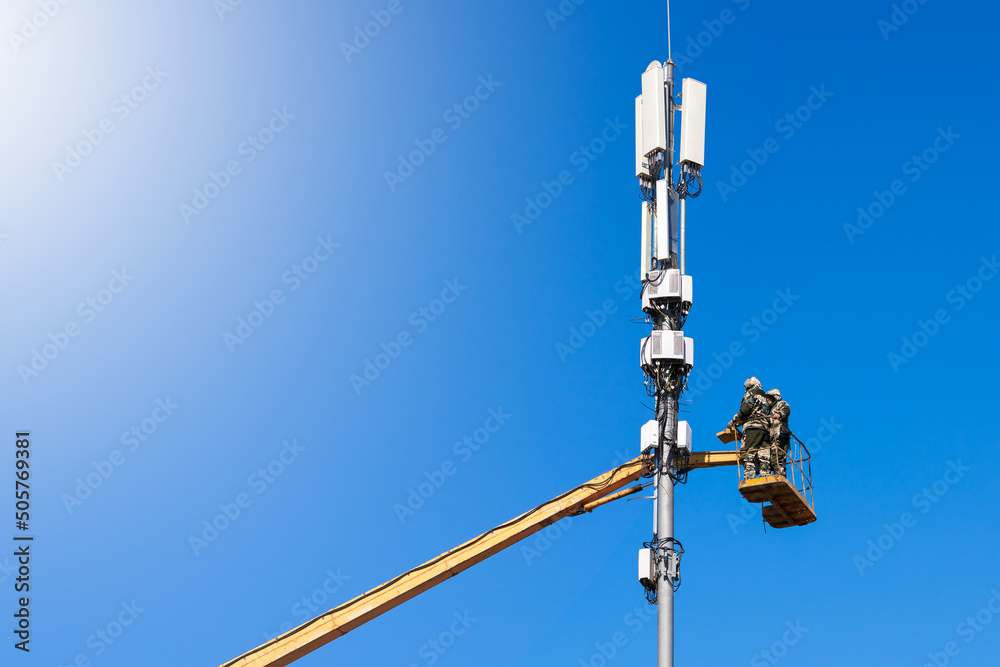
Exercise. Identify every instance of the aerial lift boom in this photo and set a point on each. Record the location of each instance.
(603, 489)
(337, 622)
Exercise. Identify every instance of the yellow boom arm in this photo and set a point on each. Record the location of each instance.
(337, 622)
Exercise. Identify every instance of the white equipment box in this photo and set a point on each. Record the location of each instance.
(684, 436)
(647, 569)
(663, 285)
(648, 436)
(665, 346)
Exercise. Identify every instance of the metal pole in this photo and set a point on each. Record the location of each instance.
(664, 530)
(666, 414)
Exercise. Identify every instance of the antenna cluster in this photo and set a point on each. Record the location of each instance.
(666, 355)
(654, 153)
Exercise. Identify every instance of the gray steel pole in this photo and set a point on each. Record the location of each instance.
(665, 529)
(666, 413)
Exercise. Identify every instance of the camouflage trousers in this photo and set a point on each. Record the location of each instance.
(782, 450)
(755, 453)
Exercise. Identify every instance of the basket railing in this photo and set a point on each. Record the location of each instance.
(797, 464)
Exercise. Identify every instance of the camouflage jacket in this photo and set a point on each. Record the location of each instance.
(753, 410)
(780, 412)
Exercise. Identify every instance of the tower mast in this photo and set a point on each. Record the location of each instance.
(666, 355)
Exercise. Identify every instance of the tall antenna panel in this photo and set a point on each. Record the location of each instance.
(693, 99)
(665, 224)
(654, 109)
(640, 156)
(646, 262)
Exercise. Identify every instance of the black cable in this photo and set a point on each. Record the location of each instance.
(680, 473)
(701, 184)
(659, 548)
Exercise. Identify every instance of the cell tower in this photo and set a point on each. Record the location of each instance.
(666, 355)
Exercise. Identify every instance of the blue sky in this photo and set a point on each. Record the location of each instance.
(216, 214)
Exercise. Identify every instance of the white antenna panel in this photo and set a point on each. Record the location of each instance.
(666, 221)
(646, 261)
(694, 95)
(640, 158)
(654, 110)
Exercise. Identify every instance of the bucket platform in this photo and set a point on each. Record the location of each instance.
(787, 506)
(787, 500)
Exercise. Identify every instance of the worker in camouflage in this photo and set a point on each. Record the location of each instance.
(756, 430)
(781, 435)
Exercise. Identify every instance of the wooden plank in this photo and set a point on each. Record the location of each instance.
(727, 436)
(775, 520)
(760, 489)
(786, 520)
(339, 621)
(792, 512)
(798, 517)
